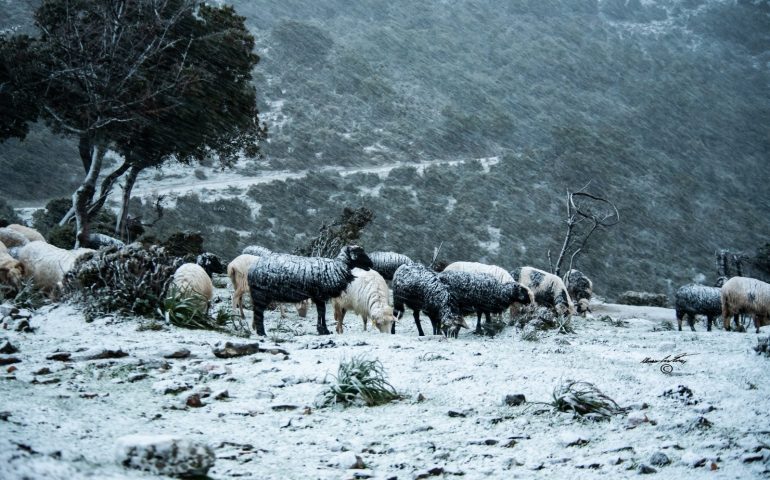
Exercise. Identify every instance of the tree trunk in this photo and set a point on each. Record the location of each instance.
(121, 230)
(106, 188)
(86, 150)
(83, 196)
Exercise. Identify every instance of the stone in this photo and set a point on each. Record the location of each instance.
(170, 387)
(515, 400)
(7, 347)
(659, 459)
(194, 401)
(646, 469)
(165, 455)
(8, 360)
(180, 353)
(643, 299)
(231, 350)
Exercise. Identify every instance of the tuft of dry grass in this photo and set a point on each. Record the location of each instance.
(584, 399)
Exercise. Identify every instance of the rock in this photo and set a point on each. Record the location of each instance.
(220, 395)
(693, 460)
(231, 350)
(11, 369)
(7, 310)
(573, 439)
(7, 348)
(170, 387)
(213, 370)
(180, 353)
(42, 371)
(348, 460)
(635, 419)
(659, 459)
(433, 472)
(284, 408)
(136, 377)
(100, 354)
(454, 414)
(7, 360)
(165, 455)
(420, 397)
(264, 395)
(515, 400)
(646, 469)
(643, 299)
(194, 401)
(60, 356)
(22, 325)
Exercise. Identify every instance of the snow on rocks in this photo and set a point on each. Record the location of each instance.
(165, 455)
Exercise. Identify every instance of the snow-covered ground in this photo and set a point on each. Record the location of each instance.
(65, 424)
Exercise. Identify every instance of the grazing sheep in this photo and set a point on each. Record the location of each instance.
(3, 248)
(256, 250)
(386, 263)
(11, 238)
(29, 233)
(11, 271)
(211, 263)
(693, 299)
(580, 289)
(47, 264)
(237, 271)
(420, 289)
(743, 295)
(282, 277)
(549, 290)
(498, 273)
(481, 293)
(368, 297)
(191, 277)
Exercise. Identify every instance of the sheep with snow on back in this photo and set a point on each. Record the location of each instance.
(498, 273)
(420, 289)
(386, 263)
(29, 233)
(256, 250)
(191, 279)
(11, 238)
(283, 277)
(47, 264)
(100, 240)
(237, 271)
(743, 295)
(367, 296)
(548, 289)
(693, 299)
(580, 289)
(481, 293)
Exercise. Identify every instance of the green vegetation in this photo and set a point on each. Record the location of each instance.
(360, 382)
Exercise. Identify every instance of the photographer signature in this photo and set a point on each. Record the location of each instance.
(667, 361)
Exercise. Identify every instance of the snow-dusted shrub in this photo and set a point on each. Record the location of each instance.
(130, 280)
(359, 381)
(584, 399)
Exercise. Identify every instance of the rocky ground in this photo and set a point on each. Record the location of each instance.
(90, 400)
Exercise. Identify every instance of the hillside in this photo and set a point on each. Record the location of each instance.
(662, 106)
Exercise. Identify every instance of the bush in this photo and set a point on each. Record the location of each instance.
(8, 214)
(584, 400)
(27, 296)
(360, 381)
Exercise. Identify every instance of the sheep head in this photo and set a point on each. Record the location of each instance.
(384, 319)
(355, 257)
(12, 273)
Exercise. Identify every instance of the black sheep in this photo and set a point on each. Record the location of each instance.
(386, 263)
(693, 299)
(420, 288)
(281, 277)
(256, 250)
(481, 293)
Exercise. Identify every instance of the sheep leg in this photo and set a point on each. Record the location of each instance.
(258, 323)
(691, 321)
(366, 319)
(339, 315)
(320, 306)
(478, 322)
(709, 320)
(417, 322)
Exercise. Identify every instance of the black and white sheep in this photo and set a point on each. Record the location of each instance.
(290, 278)
(548, 289)
(481, 293)
(367, 296)
(693, 299)
(749, 296)
(580, 288)
(386, 263)
(419, 288)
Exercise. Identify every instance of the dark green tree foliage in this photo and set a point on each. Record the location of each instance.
(18, 105)
(8, 214)
(46, 221)
(346, 230)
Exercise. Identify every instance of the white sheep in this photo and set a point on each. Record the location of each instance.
(11, 238)
(498, 273)
(238, 270)
(3, 248)
(743, 295)
(11, 270)
(47, 264)
(29, 233)
(192, 278)
(367, 296)
(549, 290)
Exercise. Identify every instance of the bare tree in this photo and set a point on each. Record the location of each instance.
(586, 213)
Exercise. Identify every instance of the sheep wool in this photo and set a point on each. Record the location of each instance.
(498, 273)
(11, 238)
(237, 271)
(192, 277)
(290, 278)
(368, 296)
(386, 263)
(29, 233)
(481, 293)
(256, 250)
(3, 248)
(11, 271)
(47, 264)
(548, 289)
(743, 295)
(419, 288)
(693, 299)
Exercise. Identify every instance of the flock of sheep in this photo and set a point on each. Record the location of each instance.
(359, 282)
